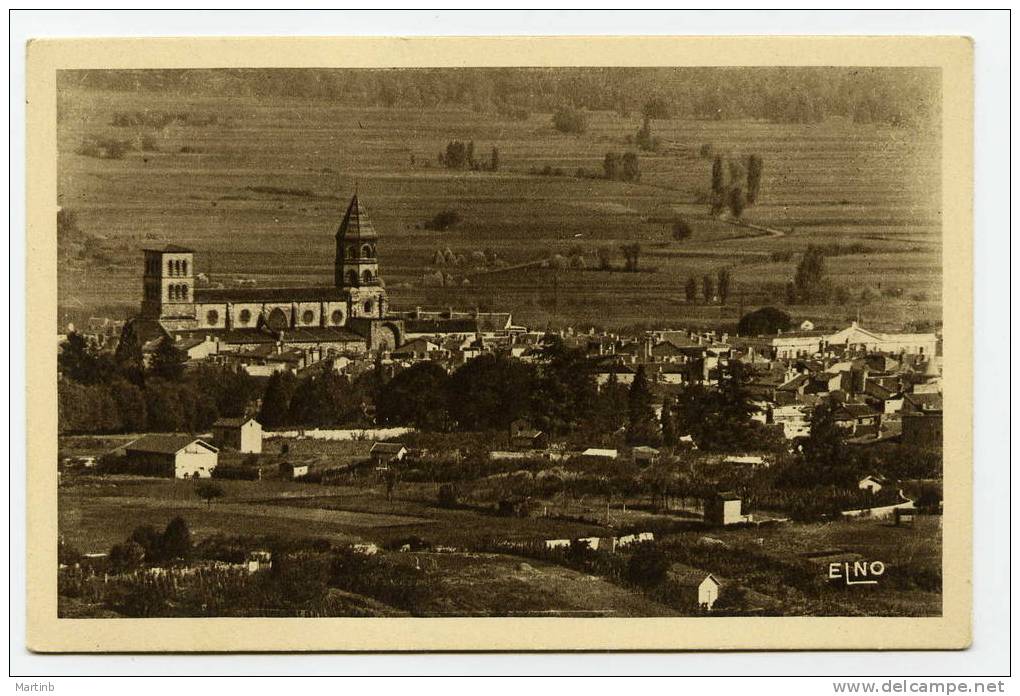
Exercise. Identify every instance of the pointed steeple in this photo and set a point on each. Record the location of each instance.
(356, 264)
(356, 224)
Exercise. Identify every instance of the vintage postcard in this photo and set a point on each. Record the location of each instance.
(499, 344)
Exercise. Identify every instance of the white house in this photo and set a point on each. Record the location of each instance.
(596, 453)
(805, 343)
(241, 434)
(180, 456)
(872, 483)
(698, 589)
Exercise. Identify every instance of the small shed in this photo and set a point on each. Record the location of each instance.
(294, 470)
(645, 455)
(176, 455)
(698, 588)
(384, 454)
(241, 434)
(524, 437)
(723, 509)
(596, 453)
(872, 483)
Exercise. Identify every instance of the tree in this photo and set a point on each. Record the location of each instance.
(682, 230)
(447, 496)
(569, 120)
(754, 168)
(126, 557)
(456, 155)
(723, 284)
(631, 167)
(443, 220)
(176, 540)
(470, 154)
(736, 202)
(668, 424)
(648, 567)
(645, 140)
(631, 252)
(275, 409)
(128, 356)
(691, 289)
(322, 400)
(656, 107)
(494, 160)
(565, 392)
(168, 362)
(130, 403)
(605, 256)
(149, 539)
(809, 279)
(707, 288)
(209, 492)
(611, 165)
(415, 396)
(718, 185)
(763, 322)
(79, 360)
(490, 392)
(641, 427)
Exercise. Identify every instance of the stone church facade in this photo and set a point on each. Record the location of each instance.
(350, 315)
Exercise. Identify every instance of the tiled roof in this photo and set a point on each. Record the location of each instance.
(171, 249)
(259, 295)
(165, 443)
(356, 224)
(231, 422)
(440, 326)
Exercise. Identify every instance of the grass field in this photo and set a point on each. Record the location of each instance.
(834, 181)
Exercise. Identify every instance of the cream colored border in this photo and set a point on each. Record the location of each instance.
(46, 633)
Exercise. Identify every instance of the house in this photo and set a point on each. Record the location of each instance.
(294, 470)
(857, 419)
(624, 374)
(417, 349)
(723, 509)
(241, 434)
(176, 455)
(698, 589)
(854, 338)
(754, 461)
(523, 436)
(596, 453)
(872, 483)
(385, 453)
(795, 420)
(259, 560)
(930, 402)
(644, 455)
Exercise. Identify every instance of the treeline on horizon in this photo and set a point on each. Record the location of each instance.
(896, 96)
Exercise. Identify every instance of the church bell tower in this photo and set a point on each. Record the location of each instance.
(356, 267)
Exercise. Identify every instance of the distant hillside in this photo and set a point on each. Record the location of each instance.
(897, 96)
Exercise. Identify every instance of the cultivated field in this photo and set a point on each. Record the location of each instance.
(260, 192)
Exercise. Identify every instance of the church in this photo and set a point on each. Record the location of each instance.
(352, 315)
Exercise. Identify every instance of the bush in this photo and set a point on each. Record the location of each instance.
(764, 322)
(568, 120)
(648, 566)
(443, 220)
(447, 496)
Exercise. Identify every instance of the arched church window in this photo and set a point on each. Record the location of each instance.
(367, 276)
(184, 268)
(337, 317)
(366, 251)
(352, 278)
(212, 316)
(308, 316)
(172, 293)
(244, 317)
(170, 268)
(184, 292)
(352, 252)
(368, 306)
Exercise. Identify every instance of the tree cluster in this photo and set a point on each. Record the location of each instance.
(626, 167)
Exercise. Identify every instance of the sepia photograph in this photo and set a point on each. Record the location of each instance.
(605, 342)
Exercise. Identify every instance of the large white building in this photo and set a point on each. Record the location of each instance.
(855, 338)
